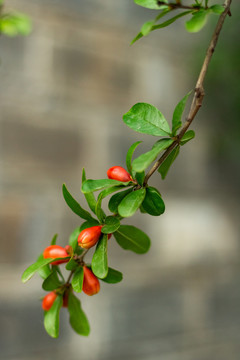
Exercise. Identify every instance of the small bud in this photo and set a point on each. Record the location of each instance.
(91, 285)
(89, 237)
(119, 173)
(55, 251)
(48, 300)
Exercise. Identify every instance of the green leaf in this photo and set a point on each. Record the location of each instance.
(88, 224)
(151, 4)
(79, 250)
(89, 196)
(71, 265)
(165, 166)
(99, 260)
(177, 115)
(30, 271)
(160, 15)
(54, 239)
(147, 27)
(170, 21)
(77, 281)
(74, 205)
(99, 212)
(44, 271)
(131, 203)
(15, 24)
(143, 161)
(113, 276)
(217, 9)
(165, 11)
(95, 185)
(58, 270)
(131, 238)
(73, 239)
(153, 203)
(116, 199)
(52, 282)
(197, 22)
(109, 191)
(78, 319)
(142, 210)
(189, 135)
(111, 224)
(138, 37)
(130, 154)
(140, 177)
(51, 318)
(146, 119)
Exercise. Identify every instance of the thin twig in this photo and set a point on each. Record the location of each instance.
(81, 257)
(80, 260)
(198, 94)
(178, 5)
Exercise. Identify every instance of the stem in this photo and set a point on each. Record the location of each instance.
(177, 5)
(80, 260)
(69, 278)
(199, 91)
(81, 257)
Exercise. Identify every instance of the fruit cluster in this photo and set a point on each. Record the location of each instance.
(93, 233)
(86, 239)
(129, 192)
(90, 285)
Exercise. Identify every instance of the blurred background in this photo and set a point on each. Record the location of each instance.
(63, 91)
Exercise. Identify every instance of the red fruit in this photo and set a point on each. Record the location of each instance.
(91, 285)
(48, 300)
(118, 173)
(89, 237)
(55, 251)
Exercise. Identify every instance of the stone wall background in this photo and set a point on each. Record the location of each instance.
(63, 91)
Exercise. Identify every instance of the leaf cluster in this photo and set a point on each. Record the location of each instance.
(126, 198)
(14, 23)
(199, 12)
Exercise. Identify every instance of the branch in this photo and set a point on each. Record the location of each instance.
(178, 5)
(195, 106)
(80, 261)
(199, 91)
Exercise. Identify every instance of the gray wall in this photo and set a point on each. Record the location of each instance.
(63, 91)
